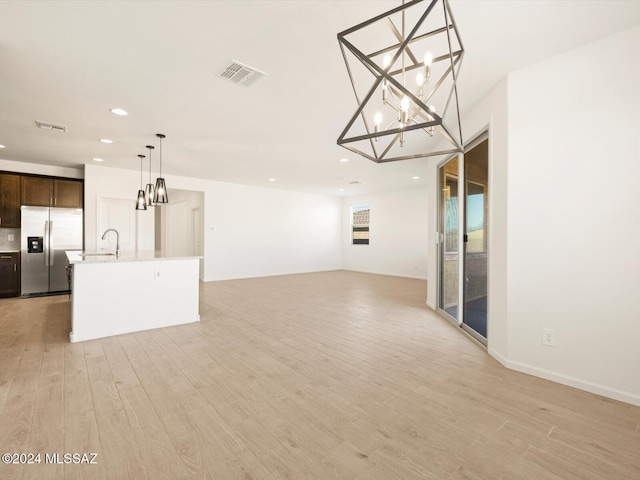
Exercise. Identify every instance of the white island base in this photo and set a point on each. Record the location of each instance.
(112, 296)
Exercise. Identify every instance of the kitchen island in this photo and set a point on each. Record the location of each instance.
(116, 294)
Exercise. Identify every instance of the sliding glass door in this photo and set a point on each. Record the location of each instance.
(448, 238)
(463, 189)
(476, 210)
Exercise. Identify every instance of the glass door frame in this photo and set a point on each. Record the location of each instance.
(462, 245)
(441, 239)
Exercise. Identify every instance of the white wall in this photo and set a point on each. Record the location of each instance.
(248, 231)
(398, 233)
(564, 163)
(573, 259)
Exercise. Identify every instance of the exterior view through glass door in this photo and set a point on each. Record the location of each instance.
(476, 209)
(463, 183)
(448, 238)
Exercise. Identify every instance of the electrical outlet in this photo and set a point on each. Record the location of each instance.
(549, 337)
(156, 274)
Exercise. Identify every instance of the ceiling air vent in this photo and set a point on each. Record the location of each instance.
(242, 74)
(355, 182)
(51, 126)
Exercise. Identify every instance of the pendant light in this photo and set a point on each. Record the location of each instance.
(149, 191)
(140, 204)
(161, 188)
(419, 44)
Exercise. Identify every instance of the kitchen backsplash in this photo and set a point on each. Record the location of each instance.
(5, 243)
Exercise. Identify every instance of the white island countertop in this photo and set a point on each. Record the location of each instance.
(112, 295)
(79, 257)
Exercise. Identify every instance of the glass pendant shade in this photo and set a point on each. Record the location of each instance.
(161, 188)
(161, 191)
(140, 203)
(149, 195)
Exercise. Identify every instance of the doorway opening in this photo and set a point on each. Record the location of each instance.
(179, 226)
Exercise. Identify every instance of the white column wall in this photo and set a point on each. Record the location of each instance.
(563, 164)
(398, 232)
(573, 259)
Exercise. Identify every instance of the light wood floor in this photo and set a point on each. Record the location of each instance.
(317, 376)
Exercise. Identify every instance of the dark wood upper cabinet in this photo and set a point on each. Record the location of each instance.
(51, 192)
(67, 193)
(9, 200)
(37, 191)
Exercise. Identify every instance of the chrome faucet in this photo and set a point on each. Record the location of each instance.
(117, 238)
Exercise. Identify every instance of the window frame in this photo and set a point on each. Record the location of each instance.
(360, 227)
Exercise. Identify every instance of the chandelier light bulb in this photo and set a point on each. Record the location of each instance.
(420, 79)
(377, 120)
(404, 117)
(404, 104)
(386, 61)
(428, 60)
(432, 109)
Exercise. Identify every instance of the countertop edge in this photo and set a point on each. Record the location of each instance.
(73, 257)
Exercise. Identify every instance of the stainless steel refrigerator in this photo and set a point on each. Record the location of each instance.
(46, 234)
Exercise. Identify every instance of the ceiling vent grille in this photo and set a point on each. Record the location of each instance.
(51, 126)
(242, 74)
(355, 182)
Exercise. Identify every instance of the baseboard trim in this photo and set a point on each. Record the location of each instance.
(266, 275)
(431, 305)
(591, 387)
(281, 274)
(414, 277)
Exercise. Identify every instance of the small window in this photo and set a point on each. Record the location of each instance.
(360, 225)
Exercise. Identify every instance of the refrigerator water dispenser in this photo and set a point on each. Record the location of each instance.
(35, 245)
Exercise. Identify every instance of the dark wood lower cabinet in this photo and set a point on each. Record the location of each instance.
(9, 274)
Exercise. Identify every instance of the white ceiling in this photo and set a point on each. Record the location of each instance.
(70, 62)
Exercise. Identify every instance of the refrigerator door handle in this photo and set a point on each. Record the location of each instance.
(46, 243)
(51, 255)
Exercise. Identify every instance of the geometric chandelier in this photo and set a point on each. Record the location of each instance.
(405, 84)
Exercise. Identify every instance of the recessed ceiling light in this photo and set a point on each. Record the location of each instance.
(344, 160)
(97, 160)
(119, 111)
(415, 178)
(106, 140)
(2, 146)
(272, 179)
(341, 190)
